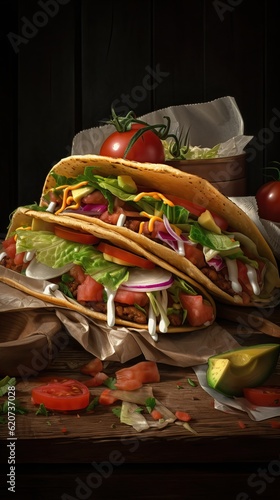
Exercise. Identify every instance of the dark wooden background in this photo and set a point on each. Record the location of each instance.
(64, 62)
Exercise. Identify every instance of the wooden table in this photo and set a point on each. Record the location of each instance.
(92, 455)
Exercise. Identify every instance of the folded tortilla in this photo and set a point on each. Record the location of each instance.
(169, 180)
(24, 218)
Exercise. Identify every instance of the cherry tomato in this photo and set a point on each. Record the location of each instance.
(268, 200)
(197, 210)
(148, 148)
(263, 396)
(76, 236)
(124, 257)
(64, 396)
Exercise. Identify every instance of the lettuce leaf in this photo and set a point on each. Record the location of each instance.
(219, 242)
(56, 252)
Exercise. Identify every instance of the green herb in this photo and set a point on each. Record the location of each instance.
(94, 403)
(5, 383)
(150, 404)
(42, 410)
(179, 386)
(117, 411)
(14, 406)
(110, 382)
(191, 382)
(138, 410)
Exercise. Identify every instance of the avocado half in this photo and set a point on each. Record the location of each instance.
(231, 371)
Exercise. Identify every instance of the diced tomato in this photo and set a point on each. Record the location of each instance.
(19, 258)
(90, 291)
(64, 396)
(134, 376)
(129, 385)
(130, 298)
(9, 246)
(97, 380)
(263, 396)
(275, 424)
(77, 273)
(198, 310)
(156, 414)
(241, 424)
(95, 198)
(243, 278)
(195, 255)
(107, 397)
(110, 218)
(94, 366)
(183, 416)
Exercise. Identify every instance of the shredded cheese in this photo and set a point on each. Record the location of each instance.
(156, 196)
(27, 228)
(67, 198)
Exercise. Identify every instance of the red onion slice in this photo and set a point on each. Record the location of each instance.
(89, 209)
(146, 280)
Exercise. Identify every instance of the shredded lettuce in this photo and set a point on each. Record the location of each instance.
(56, 252)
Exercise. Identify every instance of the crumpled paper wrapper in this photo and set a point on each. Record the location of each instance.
(270, 230)
(211, 123)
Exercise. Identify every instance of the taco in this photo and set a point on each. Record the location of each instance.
(178, 216)
(106, 279)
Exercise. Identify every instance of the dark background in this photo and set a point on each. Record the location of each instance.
(64, 62)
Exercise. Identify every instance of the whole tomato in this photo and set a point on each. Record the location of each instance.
(147, 148)
(268, 200)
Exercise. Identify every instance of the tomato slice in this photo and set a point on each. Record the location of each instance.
(198, 310)
(197, 210)
(263, 396)
(63, 396)
(124, 257)
(76, 236)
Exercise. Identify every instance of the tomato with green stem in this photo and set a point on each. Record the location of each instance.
(135, 139)
(147, 148)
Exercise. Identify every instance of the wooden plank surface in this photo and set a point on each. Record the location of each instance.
(69, 432)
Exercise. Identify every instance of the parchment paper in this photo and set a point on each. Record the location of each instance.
(210, 123)
(270, 230)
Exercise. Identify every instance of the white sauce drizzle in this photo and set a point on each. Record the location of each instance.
(152, 323)
(51, 207)
(28, 256)
(233, 274)
(163, 298)
(111, 316)
(2, 255)
(252, 276)
(121, 220)
(181, 248)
